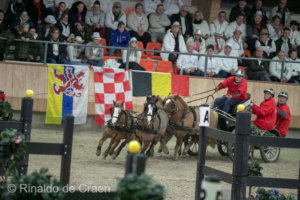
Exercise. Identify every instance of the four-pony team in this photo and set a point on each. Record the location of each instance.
(163, 118)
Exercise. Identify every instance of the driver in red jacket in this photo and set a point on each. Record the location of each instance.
(237, 91)
(283, 114)
(266, 113)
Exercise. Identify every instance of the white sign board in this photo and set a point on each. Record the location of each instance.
(204, 116)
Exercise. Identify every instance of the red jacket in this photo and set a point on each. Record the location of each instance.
(266, 114)
(283, 119)
(233, 88)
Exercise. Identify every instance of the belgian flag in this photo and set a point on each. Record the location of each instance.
(152, 83)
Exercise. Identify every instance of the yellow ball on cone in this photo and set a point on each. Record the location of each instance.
(134, 146)
(241, 107)
(29, 93)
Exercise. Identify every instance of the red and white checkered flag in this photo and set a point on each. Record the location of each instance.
(110, 85)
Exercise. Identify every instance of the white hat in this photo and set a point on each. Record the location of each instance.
(78, 39)
(96, 35)
(133, 39)
(259, 13)
(50, 19)
(228, 44)
(197, 32)
(176, 23)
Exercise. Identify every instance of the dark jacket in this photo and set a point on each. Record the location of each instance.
(86, 36)
(73, 14)
(61, 48)
(22, 48)
(253, 11)
(254, 67)
(251, 29)
(13, 12)
(235, 11)
(33, 11)
(279, 42)
(60, 28)
(188, 23)
(36, 49)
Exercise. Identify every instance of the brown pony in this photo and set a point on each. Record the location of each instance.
(118, 127)
(184, 121)
(151, 125)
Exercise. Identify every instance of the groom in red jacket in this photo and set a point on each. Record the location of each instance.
(283, 114)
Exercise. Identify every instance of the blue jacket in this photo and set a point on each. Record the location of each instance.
(118, 39)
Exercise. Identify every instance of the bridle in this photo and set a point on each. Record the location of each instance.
(174, 108)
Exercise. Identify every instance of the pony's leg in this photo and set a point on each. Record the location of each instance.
(114, 145)
(119, 149)
(163, 143)
(101, 141)
(150, 152)
(177, 147)
(188, 146)
(146, 144)
(110, 145)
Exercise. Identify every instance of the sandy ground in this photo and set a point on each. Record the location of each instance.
(178, 177)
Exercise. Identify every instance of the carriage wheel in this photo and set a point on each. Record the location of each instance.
(269, 154)
(230, 150)
(193, 151)
(222, 148)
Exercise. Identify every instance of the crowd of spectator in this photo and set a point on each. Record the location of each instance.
(168, 22)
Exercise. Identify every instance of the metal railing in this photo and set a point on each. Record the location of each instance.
(46, 43)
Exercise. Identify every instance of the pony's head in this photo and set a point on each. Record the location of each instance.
(116, 111)
(150, 107)
(173, 103)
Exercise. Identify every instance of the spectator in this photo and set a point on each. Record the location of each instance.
(77, 13)
(253, 31)
(134, 56)
(75, 55)
(3, 25)
(61, 8)
(158, 22)
(82, 31)
(236, 43)
(56, 52)
(138, 24)
(282, 11)
(258, 7)
(95, 19)
(119, 38)
(258, 69)
(68, 3)
(50, 22)
(185, 20)
(172, 6)
(36, 11)
(237, 24)
(217, 31)
(106, 5)
(283, 114)
(237, 92)
(240, 8)
(35, 49)
(200, 24)
(275, 69)
(64, 26)
(228, 65)
(188, 63)
(113, 18)
(24, 18)
(213, 63)
(284, 43)
(295, 67)
(151, 6)
(295, 35)
(266, 43)
(275, 28)
(174, 42)
(14, 10)
(22, 48)
(50, 6)
(94, 54)
(198, 41)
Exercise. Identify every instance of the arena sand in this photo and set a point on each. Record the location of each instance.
(178, 177)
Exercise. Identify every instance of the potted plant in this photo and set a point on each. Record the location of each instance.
(273, 194)
(139, 187)
(6, 112)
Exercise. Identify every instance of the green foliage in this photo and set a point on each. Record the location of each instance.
(139, 187)
(12, 150)
(254, 169)
(262, 194)
(36, 186)
(6, 112)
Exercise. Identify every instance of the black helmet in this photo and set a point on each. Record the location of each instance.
(271, 91)
(283, 94)
(239, 72)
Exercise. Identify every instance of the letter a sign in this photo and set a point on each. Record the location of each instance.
(204, 115)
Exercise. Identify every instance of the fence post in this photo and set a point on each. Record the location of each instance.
(45, 52)
(299, 183)
(241, 155)
(26, 118)
(282, 71)
(65, 169)
(135, 163)
(205, 67)
(201, 157)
